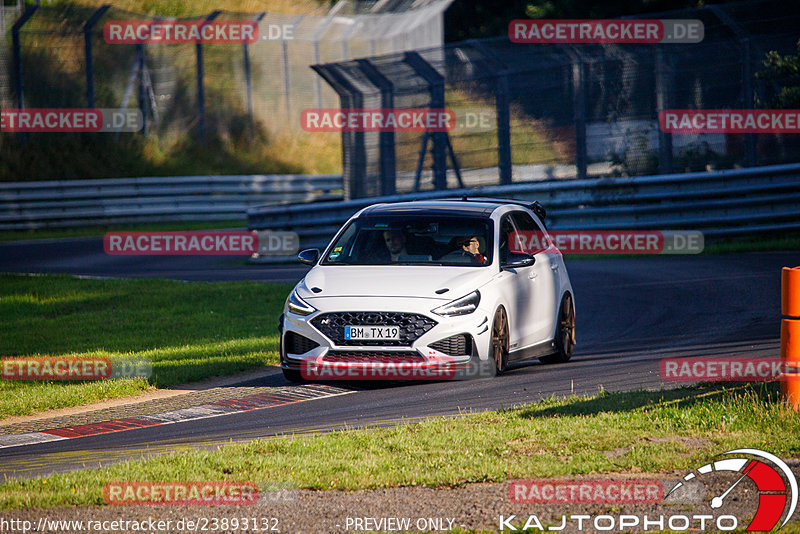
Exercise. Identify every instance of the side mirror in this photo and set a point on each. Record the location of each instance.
(309, 256)
(517, 260)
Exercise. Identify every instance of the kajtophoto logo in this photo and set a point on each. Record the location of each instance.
(776, 485)
(776, 488)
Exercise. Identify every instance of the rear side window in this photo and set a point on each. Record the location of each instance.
(530, 238)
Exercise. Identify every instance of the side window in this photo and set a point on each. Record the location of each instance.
(343, 249)
(530, 231)
(506, 233)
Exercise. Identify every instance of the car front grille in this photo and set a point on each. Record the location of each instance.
(294, 343)
(412, 326)
(458, 345)
(373, 356)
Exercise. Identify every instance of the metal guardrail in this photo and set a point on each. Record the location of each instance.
(70, 203)
(718, 203)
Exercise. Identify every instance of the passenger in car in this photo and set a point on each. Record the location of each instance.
(469, 246)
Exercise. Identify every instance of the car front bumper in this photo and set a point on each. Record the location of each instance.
(430, 352)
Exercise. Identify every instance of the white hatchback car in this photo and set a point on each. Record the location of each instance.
(431, 281)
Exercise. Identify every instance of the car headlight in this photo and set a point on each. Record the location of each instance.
(462, 306)
(298, 306)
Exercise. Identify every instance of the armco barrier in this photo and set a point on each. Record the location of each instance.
(69, 203)
(719, 203)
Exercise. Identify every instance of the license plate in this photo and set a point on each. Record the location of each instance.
(372, 332)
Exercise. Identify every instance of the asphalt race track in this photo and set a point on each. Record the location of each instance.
(630, 314)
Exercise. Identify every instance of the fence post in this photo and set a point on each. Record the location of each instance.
(247, 79)
(386, 138)
(436, 82)
(141, 95)
(16, 52)
(579, 111)
(322, 28)
(285, 70)
(201, 96)
(750, 148)
(663, 102)
(87, 44)
(315, 39)
(346, 41)
(354, 155)
(503, 129)
(500, 73)
(743, 37)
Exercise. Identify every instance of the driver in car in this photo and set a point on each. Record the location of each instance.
(395, 243)
(470, 246)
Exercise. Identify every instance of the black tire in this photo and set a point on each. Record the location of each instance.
(565, 333)
(498, 355)
(293, 375)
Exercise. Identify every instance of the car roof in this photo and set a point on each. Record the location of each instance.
(480, 207)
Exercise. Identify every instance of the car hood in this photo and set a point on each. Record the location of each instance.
(403, 281)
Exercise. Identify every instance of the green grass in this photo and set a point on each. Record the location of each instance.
(611, 432)
(766, 242)
(188, 331)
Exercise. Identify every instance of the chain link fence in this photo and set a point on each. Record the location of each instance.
(9, 11)
(58, 57)
(560, 110)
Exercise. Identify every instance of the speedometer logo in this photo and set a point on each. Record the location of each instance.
(775, 482)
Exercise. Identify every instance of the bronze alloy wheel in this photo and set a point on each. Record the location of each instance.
(500, 341)
(565, 333)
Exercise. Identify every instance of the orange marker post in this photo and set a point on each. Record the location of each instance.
(790, 334)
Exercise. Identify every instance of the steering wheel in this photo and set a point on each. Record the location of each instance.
(460, 254)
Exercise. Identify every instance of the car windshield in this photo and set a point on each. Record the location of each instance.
(413, 240)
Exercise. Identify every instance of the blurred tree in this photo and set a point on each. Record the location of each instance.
(782, 76)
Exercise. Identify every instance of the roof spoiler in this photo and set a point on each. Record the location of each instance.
(534, 206)
(539, 210)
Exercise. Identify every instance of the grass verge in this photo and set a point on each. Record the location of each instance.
(188, 331)
(653, 431)
(755, 243)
